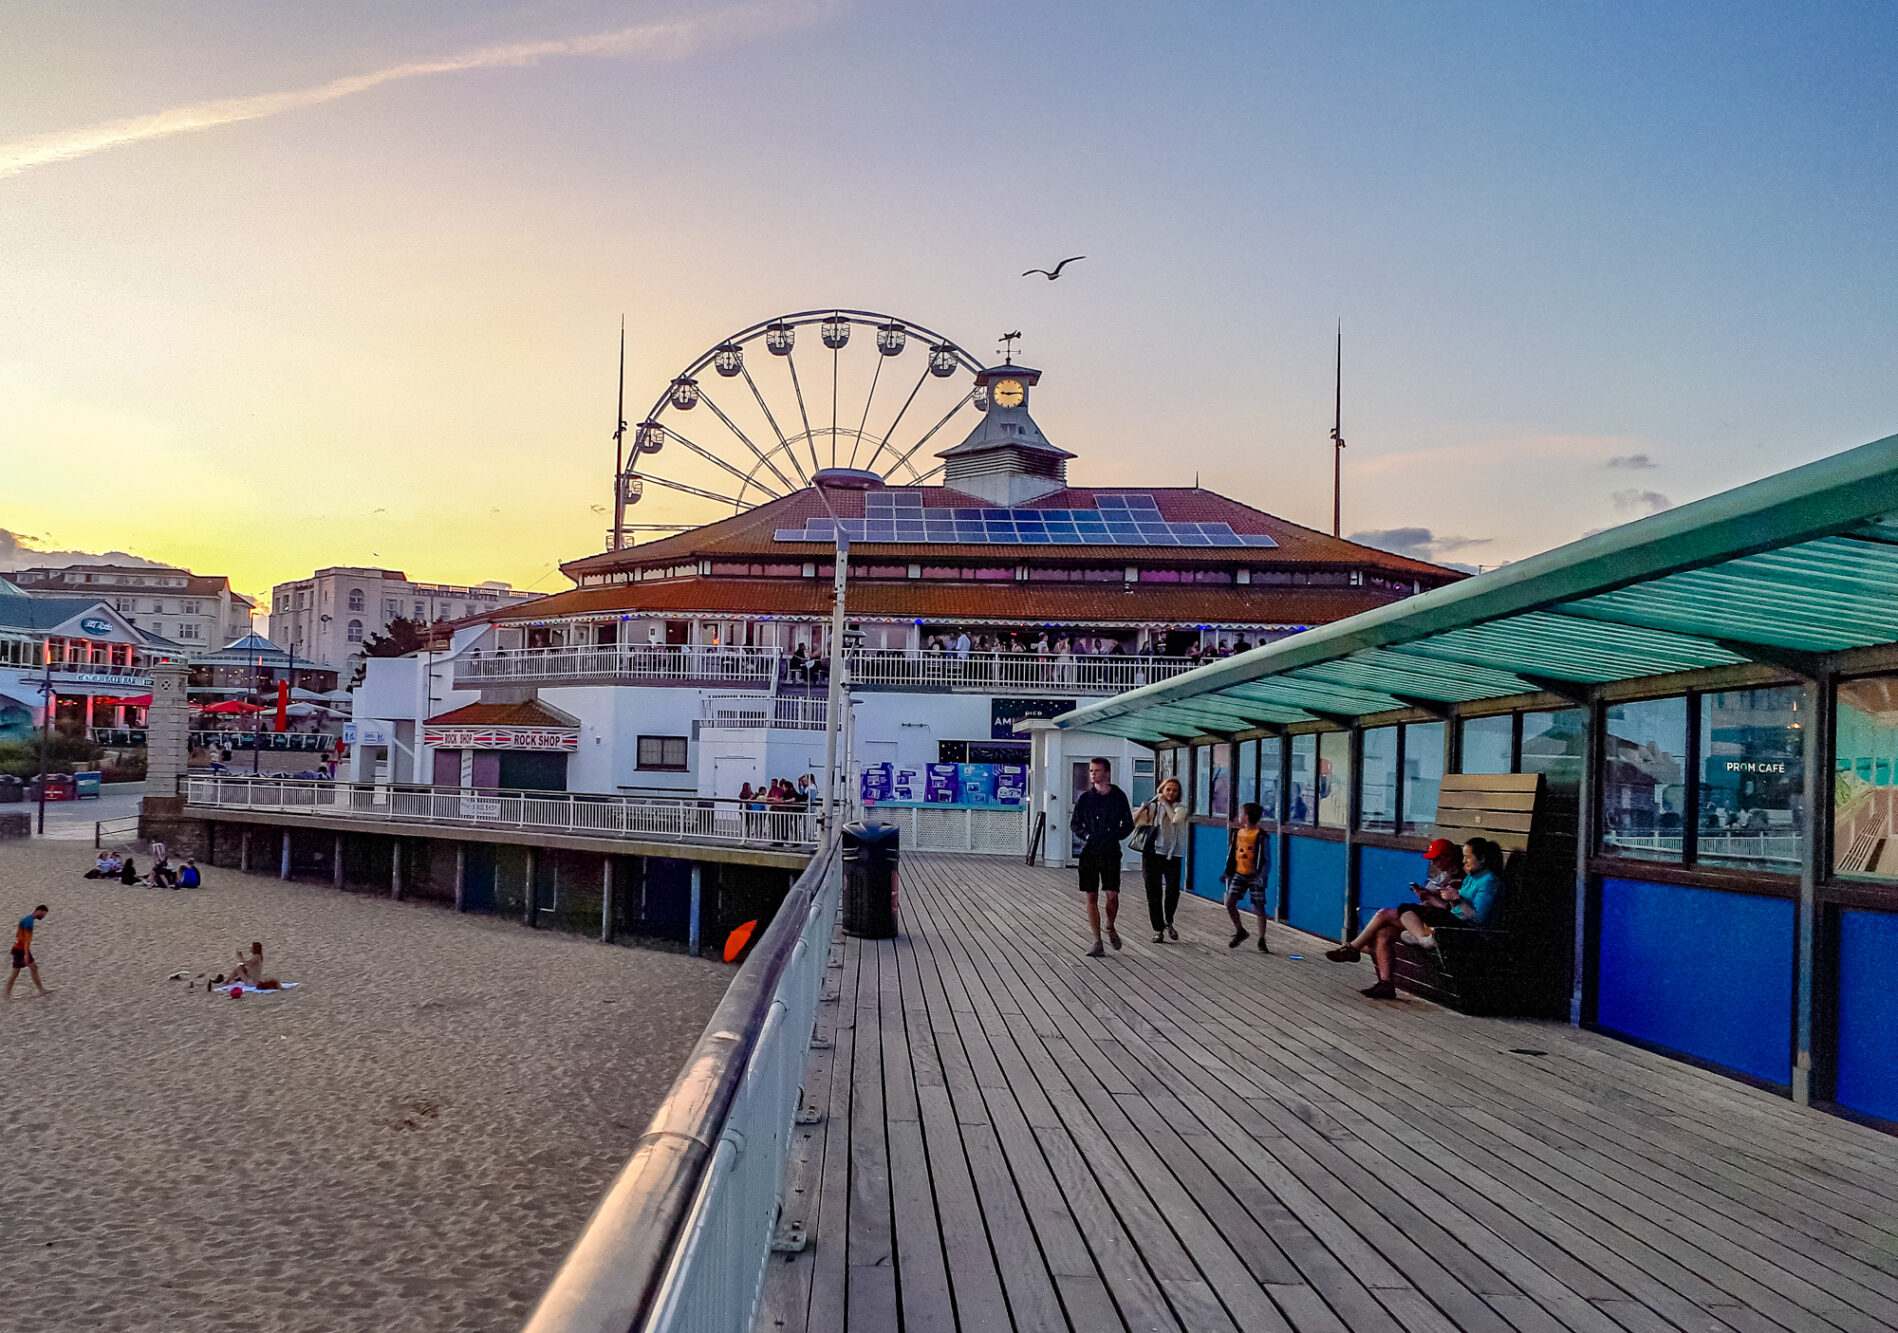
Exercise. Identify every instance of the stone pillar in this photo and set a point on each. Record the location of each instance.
(606, 899)
(461, 877)
(243, 850)
(528, 913)
(167, 728)
(395, 869)
(692, 927)
(283, 871)
(336, 864)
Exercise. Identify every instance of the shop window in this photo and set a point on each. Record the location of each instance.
(1270, 751)
(1202, 779)
(1751, 814)
(1377, 801)
(666, 754)
(1304, 793)
(1644, 779)
(1423, 774)
(1222, 779)
(1553, 744)
(1334, 778)
(1864, 796)
(1489, 744)
(1249, 774)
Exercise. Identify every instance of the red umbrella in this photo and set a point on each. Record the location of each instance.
(283, 705)
(138, 701)
(232, 706)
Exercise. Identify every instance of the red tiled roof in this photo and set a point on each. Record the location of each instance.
(532, 713)
(1032, 603)
(753, 533)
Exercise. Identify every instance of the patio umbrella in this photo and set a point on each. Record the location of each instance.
(232, 706)
(138, 701)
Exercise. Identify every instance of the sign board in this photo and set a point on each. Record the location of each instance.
(500, 738)
(1005, 713)
(366, 733)
(1011, 784)
(940, 783)
(906, 785)
(98, 625)
(875, 784)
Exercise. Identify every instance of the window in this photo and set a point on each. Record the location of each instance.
(418, 613)
(1202, 779)
(663, 753)
(1334, 778)
(190, 631)
(1270, 750)
(1752, 780)
(1644, 779)
(1489, 744)
(1423, 774)
(355, 631)
(1304, 794)
(355, 599)
(1222, 779)
(193, 609)
(1249, 774)
(1864, 842)
(1142, 788)
(1377, 803)
(1552, 746)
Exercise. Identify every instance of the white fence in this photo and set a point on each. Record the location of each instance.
(1778, 847)
(680, 1242)
(665, 819)
(764, 710)
(657, 664)
(951, 828)
(1011, 671)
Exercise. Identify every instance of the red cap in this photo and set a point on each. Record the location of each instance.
(1440, 848)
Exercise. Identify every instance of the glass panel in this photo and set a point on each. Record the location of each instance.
(1552, 745)
(1377, 803)
(1167, 764)
(1143, 785)
(1487, 743)
(1304, 770)
(1222, 779)
(1752, 780)
(1864, 800)
(1270, 751)
(1202, 779)
(1423, 774)
(1248, 772)
(1644, 779)
(1334, 778)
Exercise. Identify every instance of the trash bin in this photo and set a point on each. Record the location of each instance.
(12, 790)
(59, 787)
(870, 855)
(87, 784)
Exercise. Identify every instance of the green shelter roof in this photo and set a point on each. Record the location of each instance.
(1793, 566)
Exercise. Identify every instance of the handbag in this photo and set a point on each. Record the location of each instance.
(1144, 835)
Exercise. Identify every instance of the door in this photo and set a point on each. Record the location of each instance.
(448, 768)
(533, 770)
(1079, 784)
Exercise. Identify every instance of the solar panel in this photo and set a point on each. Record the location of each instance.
(1116, 520)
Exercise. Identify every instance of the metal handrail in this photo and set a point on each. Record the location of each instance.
(683, 1234)
(683, 819)
(1059, 672)
(658, 663)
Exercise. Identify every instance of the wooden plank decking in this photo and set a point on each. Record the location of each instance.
(1183, 1136)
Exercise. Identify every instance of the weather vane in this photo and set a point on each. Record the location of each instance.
(1008, 347)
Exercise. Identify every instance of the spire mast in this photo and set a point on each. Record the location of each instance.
(619, 447)
(1337, 441)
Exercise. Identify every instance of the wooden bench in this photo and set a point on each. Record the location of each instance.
(1504, 969)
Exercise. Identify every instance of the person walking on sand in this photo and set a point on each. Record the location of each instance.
(23, 960)
(1101, 819)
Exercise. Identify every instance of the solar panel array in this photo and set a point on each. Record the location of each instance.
(1116, 520)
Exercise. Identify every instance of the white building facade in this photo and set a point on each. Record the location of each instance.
(196, 611)
(328, 616)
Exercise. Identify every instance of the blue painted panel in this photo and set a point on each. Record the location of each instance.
(1700, 971)
(1209, 859)
(1316, 884)
(1384, 877)
(1868, 1014)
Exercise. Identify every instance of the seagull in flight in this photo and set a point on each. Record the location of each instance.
(1057, 268)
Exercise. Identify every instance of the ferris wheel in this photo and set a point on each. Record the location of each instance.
(774, 425)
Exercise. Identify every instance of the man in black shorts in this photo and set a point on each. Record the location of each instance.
(1101, 819)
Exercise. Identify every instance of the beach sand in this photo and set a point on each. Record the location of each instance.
(411, 1139)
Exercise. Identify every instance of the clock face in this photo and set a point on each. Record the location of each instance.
(1007, 393)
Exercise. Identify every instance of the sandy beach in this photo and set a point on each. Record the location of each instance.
(409, 1140)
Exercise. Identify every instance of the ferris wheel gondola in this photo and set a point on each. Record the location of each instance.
(748, 449)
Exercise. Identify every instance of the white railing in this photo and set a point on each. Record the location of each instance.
(753, 711)
(667, 819)
(656, 664)
(1011, 671)
(1786, 847)
(956, 828)
(681, 1239)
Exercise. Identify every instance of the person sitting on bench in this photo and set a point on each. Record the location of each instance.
(1468, 902)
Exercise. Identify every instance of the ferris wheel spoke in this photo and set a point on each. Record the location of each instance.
(923, 478)
(703, 494)
(868, 398)
(745, 439)
(890, 434)
(961, 403)
(790, 360)
(710, 457)
(789, 453)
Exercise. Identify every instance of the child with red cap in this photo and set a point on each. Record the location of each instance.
(1435, 897)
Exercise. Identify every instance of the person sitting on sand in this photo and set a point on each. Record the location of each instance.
(128, 873)
(105, 867)
(188, 878)
(250, 969)
(163, 876)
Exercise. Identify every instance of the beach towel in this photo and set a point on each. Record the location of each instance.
(253, 990)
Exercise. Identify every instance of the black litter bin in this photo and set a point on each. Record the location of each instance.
(870, 855)
(12, 790)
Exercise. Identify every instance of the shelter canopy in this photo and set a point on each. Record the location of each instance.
(1780, 572)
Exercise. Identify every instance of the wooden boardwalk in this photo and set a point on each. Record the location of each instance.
(1182, 1136)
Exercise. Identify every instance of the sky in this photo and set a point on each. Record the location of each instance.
(295, 286)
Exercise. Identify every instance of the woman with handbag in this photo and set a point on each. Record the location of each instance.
(1160, 836)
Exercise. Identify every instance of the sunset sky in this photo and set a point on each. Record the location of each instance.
(286, 287)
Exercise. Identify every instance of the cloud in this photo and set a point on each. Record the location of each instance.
(1632, 462)
(1420, 544)
(19, 551)
(668, 40)
(1640, 502)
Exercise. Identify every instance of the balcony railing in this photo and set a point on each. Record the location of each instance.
(664, 819)
(756, 711)
(761, 668)
(1061, 674)
(306, 742)
(634, 664)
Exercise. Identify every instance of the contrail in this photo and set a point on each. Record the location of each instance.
(666, 40)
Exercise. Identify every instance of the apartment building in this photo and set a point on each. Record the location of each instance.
(200, 612)
(329, 615)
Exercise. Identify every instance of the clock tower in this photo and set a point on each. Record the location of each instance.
(1006, 460)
